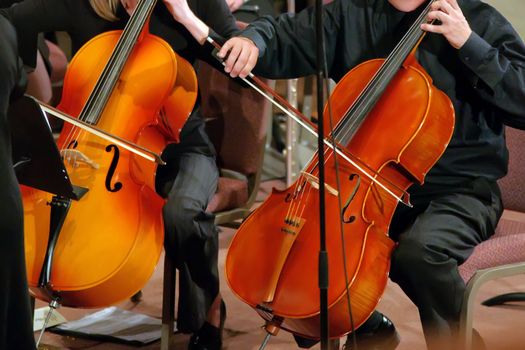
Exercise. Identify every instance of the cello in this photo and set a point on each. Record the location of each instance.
(392, 125)
(103, 247)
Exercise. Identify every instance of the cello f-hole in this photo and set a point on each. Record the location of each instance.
(350, 198)
(112, 167)
(73, 144)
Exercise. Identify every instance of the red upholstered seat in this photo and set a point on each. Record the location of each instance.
(507, 245)
(504, 253)
(231, 193)
(237, 119)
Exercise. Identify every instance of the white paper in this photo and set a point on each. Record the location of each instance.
(115, 323)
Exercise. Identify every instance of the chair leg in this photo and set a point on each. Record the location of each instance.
(168, 303)
(504, 298)
(467, 310)
(479, 278)
(32, 305)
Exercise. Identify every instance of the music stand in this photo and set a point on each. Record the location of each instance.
(37, 161)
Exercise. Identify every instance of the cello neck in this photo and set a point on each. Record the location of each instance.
(357, 113)
(133, 30)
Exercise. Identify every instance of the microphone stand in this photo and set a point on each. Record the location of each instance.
(323, 254)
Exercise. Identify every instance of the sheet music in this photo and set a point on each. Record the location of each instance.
(115, 323)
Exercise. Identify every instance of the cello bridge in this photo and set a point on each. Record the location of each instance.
(75, 158)
(293, 225)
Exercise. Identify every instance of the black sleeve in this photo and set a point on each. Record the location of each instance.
(13, 82)
(495, 54)
(20, 81)
(7, 3)
(287, 43)
(222, 23)
(219, 18)
(31, 17)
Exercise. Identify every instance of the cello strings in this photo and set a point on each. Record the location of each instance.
(362, 168)
(391, 65)
(299, 199)
(298, 193)
(306, 200)
(302, 186)
(343, 245)
(291, 204)
(103, 85)
(397, 57)
(387, 68)
(338, 186)
(287, 216)
(306, 187)
(118, 58)
(297, 204)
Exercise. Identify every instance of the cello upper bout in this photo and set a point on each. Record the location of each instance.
(147, 78)
(412, 62)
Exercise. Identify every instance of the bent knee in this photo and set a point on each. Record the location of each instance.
(182, 211)
(413, 257)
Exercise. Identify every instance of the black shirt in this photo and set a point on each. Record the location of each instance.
(485, 79)
(80, 21)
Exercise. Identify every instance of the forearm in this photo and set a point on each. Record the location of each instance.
(201, 23)
(198, 29)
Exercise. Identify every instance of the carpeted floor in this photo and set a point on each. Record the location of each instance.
(500, 327)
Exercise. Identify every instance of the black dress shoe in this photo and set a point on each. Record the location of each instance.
(209, 337)
(377, 333)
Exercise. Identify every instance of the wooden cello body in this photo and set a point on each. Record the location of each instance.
(395, 137)
(103, 247)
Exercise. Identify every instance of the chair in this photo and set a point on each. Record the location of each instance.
(504, 253)
(237, 119)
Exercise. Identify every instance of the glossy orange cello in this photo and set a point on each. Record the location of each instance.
(103, 247)
(392, 125)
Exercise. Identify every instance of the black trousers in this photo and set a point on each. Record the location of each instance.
(191, 237)
(16, 328)
(434, 237)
